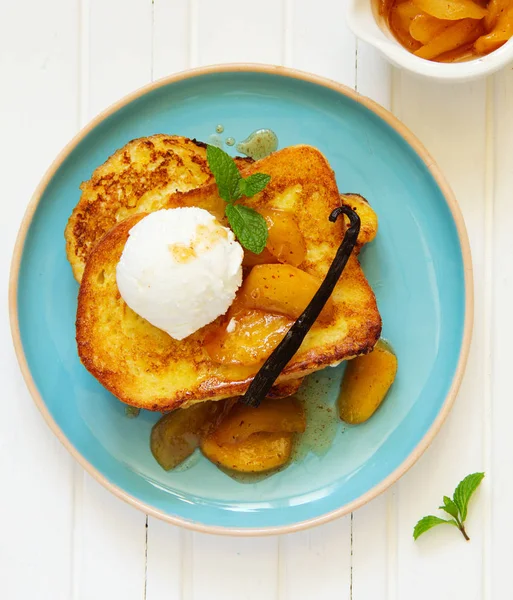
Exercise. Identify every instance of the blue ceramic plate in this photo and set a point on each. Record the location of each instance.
(419, 267)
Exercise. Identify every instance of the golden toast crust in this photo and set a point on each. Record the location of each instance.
(145, 367)
(137, 178)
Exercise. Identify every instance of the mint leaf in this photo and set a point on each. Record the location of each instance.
(225, 173)
(428, 523)
(249, 226)
(450, 507)
(254, 184)
(464, 491)
(456, 507)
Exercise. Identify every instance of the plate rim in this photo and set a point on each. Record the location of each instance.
(452, 204)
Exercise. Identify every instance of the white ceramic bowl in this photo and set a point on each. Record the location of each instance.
(366, 24)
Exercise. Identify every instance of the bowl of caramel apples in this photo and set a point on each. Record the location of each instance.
(441, 39)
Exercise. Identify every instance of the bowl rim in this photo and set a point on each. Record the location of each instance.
(403, 58)
(408, 136)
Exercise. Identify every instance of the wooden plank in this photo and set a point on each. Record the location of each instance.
(38, 114)
(110, 546)
(500, 449)
(226, 31)
(320, 41)
(117, 38)
(168, 560)
(374, 548)
(171, 39)
(373, 74)
(110, 539)
(317, 563)
(232, 568)
(451, 121)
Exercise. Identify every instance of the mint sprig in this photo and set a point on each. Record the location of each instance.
(247, 224)
(456, 507)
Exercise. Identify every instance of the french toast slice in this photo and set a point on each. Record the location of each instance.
(137, 178)
(145, 367)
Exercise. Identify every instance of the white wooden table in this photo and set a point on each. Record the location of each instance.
(63, 537)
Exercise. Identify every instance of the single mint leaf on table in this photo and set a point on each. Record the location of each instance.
(225, 173)
(456, 507)
(464, 491)
(450, 507)
(249, 226)
(253, 184)
(428, 523)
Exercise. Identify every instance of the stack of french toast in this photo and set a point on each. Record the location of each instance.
(141, 364)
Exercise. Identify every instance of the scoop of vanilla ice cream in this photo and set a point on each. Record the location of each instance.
(180, 269)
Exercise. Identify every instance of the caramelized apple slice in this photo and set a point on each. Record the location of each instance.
(285, 243)
(459, 54)
(366, 383)
(499, 35)
(282, 289)
(461, 33)
(495, 9)
(424, 28)
(177, 434)
(258, 453)
(400, 18)
(285, 239)
(264, 258)
(452, 10)
(274, 416)
(248, 338)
